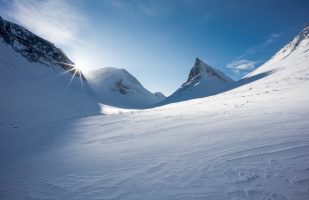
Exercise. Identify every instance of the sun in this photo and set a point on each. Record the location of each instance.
(77, 68)
(80, 64)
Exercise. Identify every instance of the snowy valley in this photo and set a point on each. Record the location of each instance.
(213, 138)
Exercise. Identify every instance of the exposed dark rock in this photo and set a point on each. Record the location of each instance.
(33, 47)
(201, 68)
(123, 89)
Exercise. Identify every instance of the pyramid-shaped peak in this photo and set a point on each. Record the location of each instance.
(201, 69)
(203, 81)
(198, 60)
(200, 63)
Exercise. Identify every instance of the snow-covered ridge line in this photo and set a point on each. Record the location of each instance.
(117, 87)
(293, 51)
(203, 81)
(300, 40)
(33, 47)
(200, 68)
(250, 143)
(110, 86)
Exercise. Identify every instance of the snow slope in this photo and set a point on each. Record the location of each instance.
(38, 82)
(32, 92)
(119, 88)
(203, 81)
(251, 142)
(32, 47)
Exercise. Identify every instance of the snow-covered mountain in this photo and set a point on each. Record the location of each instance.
(117, 87)
(38, 81)
(34, 48)
(299, 41)
(203, 80)
(32, 91)
(286, 61)
(250, 142)
(38, 78)
(159, 96)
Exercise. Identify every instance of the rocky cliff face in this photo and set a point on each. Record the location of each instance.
(33, 47)
(203, 81)
(202, 70)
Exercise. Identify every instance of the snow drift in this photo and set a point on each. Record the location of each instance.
(250, 142)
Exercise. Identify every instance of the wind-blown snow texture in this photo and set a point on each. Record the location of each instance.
(203, 81)
(251, 142)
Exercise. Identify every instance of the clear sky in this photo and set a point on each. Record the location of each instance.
(158, 41)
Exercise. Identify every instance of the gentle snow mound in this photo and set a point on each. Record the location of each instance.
(117, 87)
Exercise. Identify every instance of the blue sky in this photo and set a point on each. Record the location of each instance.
(157, 41)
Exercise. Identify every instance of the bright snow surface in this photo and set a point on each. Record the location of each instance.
(203, 81)
(117, 87)
(251, 142)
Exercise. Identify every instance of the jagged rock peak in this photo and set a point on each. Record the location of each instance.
(200, 69)
(33, 47)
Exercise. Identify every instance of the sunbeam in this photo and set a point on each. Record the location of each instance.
(68, 85)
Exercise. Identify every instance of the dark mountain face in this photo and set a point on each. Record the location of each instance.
(203, 81)
(33, 47)
(201, 69)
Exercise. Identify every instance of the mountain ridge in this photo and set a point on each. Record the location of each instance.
(203, 80)
(35, 48)
(118, 87)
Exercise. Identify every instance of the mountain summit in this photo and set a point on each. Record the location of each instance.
(117, 87)
(203, 80)
(32, 47)
(201, 71)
